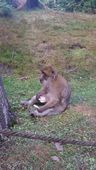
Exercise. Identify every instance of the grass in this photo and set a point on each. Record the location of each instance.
(37, 38)
(84, 91)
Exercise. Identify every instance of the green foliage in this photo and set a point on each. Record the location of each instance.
(74, 5)
(5, 9)
(44, 1)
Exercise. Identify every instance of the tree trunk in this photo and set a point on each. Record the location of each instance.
(19, 4)
(6, 117)
(32, 4)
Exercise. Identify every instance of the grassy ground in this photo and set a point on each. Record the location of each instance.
(67, 41)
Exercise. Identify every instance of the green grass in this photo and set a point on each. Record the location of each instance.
(84, 91)
(79, 25)
(37, 38)
(72, 124)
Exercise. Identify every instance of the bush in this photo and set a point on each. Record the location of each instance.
(5, 9)
(51, 4)
(74, 5)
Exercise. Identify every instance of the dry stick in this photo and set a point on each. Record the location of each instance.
(29, 135)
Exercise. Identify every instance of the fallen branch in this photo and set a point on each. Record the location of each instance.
(29, 135)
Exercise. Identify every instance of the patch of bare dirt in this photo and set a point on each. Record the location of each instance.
(16, 155)
(88, 111)
(76, 45)
(41, 152)
(5, 69)
(45, 47)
